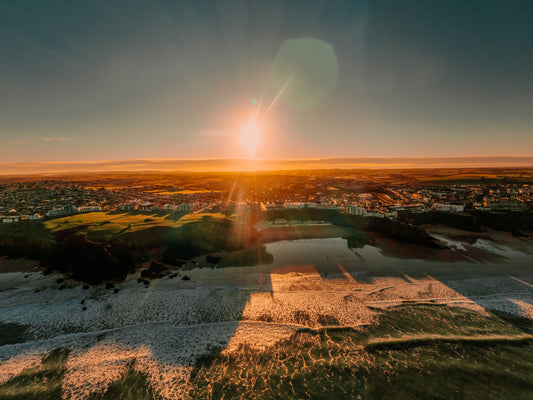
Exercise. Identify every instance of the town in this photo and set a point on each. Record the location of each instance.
(371, 194)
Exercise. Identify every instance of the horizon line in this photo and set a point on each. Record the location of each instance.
(256, 164)
(264, 159)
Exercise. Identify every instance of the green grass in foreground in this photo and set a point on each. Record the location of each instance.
(132, 386)
(415, 352)
(42, 383)
(438, 319)
(345, 364)
(334, 367)
(45, 383)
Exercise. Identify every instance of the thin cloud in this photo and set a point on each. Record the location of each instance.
(53, 139)
(18, 142)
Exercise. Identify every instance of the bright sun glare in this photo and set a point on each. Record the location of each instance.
(250, 136)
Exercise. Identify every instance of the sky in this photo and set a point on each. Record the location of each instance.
(84, 80)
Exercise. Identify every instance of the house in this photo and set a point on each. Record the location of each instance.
(128, 207)
(11, 218)
(184, 207)
(449, 207)
(86, 209)
(60, 212)
(291, 205)
(355, 209)
(146, 206)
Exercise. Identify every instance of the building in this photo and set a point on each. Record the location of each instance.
(146, 206)
(355, 209)
(290, 205)
(454, 208)
(508, 205)
(374, 214)
(61, 212)
(6, 219)
(128, 207)
(87, 209)
(184, 207)
(391, 214)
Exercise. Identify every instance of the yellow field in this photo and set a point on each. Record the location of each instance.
(185, 191)
(198, 191)
(103, 226)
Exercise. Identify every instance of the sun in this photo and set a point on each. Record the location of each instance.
(250, 137)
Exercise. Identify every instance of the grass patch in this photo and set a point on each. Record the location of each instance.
(407, 359)
(326, 367)
(12, 333)
(133, 385)
(327, 319)
(42, 383)
(453, 371)
(524, 324)
(410, 342)
(25, 239)
(428, 319)
(102, 226)
(416, 351)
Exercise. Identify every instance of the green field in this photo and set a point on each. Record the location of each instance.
(105, 226)
(43, 383)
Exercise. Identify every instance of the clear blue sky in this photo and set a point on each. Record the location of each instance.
(110, 80)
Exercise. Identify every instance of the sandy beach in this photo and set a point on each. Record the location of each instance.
(169, 324)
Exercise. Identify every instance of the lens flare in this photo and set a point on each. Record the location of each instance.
(250, 137)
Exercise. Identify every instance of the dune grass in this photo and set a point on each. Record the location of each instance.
(43, 383)
(414, 351)
(326, 367)
(133, 385)
(437, 319)
(423, 352)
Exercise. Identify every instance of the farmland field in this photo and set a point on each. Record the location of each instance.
(104, 226)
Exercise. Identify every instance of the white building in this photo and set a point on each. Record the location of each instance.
(449, 207)
(184, 207)
(87, 209)
(355, 209)
(391, 214)
(146, 206)
(128, 207)
(291, 205)
(59, 212)
(11, 218)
